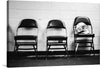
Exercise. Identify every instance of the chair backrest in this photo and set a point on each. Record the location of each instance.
(56, 28)
(55, 24)
(28, 23)
(83, 21)
(27, 27)
(79, 19)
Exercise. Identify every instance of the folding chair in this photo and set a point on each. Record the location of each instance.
(26, 35)
(83, 33)
(56, 36)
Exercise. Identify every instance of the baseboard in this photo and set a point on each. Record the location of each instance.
(53, 52)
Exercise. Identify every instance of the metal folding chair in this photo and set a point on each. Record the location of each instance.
(26, 35)
(56, 36)
(81, 37)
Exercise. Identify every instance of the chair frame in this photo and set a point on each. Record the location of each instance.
(76, 42)
(25, 37)
(56, 38)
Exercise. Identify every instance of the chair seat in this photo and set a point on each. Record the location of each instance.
(26, 49)
(26, 43)
(56, 38)
(56, 48)
(57, 44)
(84, 46)
(84, 35)
(83, 41)
(25, 37)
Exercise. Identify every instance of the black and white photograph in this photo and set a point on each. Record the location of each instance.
(48, 33)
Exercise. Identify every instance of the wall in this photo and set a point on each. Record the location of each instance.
(42, 12)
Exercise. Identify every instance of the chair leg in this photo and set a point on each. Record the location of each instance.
(76, 48)
(93, 48)
(36, 52)
(67, 49)
(15, 47)
(47, 52)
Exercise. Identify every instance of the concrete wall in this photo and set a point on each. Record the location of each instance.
(42, 12)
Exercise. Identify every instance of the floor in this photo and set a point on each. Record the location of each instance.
(30, 61)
